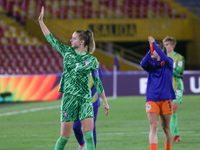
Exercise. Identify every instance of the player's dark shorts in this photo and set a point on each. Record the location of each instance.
(74, 107)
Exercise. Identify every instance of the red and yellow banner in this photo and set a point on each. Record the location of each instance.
(29, 88)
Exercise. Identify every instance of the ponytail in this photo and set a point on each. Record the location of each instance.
(87, 36)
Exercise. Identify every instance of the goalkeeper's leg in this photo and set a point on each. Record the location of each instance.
(66, 129)
(87, 125)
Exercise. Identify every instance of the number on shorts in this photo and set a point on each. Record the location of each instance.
(170, 104)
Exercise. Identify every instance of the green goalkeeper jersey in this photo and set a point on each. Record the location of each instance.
(178, 68)
(76, 70)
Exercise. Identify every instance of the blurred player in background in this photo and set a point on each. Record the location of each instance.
(177, 79)
(96, 103)
(159, 92)
(76, 100)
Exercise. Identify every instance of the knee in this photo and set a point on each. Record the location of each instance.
(154, 127)
(67, 136)
(87, 129)
(166, 130)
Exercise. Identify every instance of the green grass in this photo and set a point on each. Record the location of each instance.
(125, 128)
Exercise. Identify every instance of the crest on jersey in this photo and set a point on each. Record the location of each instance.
(86, 62)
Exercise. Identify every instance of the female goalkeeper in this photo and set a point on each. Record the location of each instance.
(76, 100)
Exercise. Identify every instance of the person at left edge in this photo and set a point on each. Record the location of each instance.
(74, 84)
(96, 103)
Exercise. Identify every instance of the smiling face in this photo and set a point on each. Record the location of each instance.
(75, 41)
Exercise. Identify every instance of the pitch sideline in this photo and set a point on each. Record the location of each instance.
(35, 109)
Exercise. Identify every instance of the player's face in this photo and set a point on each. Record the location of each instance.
(155, 54)
(169, 47)
(75, 41)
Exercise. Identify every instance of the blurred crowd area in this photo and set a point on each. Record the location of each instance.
(22, 53)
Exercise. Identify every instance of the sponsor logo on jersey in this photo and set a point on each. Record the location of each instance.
(86, 62)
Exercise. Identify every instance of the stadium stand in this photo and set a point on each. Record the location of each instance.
(22, 53)
(13, 33)
(191, 5)
(23, 59)
(75, 9)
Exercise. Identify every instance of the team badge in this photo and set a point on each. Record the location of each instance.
(95, 73)
(65, 114)
(180, 63)
(162, 63)
(86, 63)
(149, 107)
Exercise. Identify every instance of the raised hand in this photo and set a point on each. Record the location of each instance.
(151, 39)
(40, 18)
(45, 30)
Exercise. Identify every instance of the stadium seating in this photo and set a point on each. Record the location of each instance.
(23, 54)
(191, 5)
(74, 9)
(12, 33)
(23, 59)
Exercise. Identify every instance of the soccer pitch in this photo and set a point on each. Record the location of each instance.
(36, 125)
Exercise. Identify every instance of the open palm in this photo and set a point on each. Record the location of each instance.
(40, 18)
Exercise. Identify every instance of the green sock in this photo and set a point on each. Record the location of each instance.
(61, 142)
(89, 141)
(173, 123)
(176, 132)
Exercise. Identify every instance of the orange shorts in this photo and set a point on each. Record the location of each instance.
(159, 107)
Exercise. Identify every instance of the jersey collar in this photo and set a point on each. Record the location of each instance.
(172, 54)
(81, 53)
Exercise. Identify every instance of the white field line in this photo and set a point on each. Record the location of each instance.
(141, 132)
(58, 106)
(117, 133)
(29, 110)
(36, 109)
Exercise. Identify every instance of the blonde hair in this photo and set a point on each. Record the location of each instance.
(172, 40)
(87, 36)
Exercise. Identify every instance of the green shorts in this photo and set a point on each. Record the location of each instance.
(74, 107)
(179, 95)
